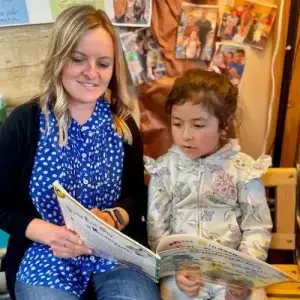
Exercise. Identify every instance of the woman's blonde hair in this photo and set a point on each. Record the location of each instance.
(68, 29)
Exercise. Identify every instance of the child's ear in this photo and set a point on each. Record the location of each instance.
(227, 129)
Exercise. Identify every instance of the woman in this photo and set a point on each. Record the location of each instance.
(80, 131)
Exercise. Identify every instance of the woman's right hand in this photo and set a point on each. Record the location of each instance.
(189, 286)
(63, 242)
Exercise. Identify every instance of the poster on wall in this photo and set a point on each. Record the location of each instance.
(229, 59)
(142, 55)
(196, 31)
(57, 6)
(248, 22)
(133, 13)
(13, 12)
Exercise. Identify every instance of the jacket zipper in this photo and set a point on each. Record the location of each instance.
(201, 173)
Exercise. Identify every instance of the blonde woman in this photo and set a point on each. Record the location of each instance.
(80, 130)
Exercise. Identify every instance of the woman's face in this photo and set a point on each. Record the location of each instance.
(87, 74)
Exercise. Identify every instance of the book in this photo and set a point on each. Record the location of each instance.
(213, 262)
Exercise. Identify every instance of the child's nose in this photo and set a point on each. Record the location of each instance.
(186, 134)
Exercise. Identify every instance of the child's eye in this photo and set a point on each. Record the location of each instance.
(176, 124)
(199, 126)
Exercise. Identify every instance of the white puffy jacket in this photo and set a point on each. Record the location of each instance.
(220, 197)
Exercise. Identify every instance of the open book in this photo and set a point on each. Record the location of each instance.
(205, 258)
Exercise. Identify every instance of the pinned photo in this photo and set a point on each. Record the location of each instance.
(132, 13)
(142, 55)
(229, 59)
(248, 22)
(196, 31)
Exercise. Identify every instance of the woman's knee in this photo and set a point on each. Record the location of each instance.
(34, 292)
(122, 281)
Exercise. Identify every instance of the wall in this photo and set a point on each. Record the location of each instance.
(22, 52)
(256, 90)
(23, 49)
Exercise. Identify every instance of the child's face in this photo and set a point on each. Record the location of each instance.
(194, 130)
(229, 58)
(238, 57)
(190, 20)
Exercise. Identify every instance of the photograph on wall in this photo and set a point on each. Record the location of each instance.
(229, 59)
(136, 13)
(142, 55)
(248, 22)
(196, 31)
(13, 12)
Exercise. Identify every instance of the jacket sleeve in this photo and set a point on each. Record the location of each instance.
(159, 206)
(133, 196)
(13, 138)
(256, 222)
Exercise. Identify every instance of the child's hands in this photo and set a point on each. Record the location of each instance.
(187, 283)
(237, 293)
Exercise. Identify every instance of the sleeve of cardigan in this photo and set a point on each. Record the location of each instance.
(12, 146)
(133, 192)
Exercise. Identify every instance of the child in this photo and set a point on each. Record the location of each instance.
(134, 64)
(232, 21)
(129, 15)
(236, 68)
(192, 46)
(204, 185)
(218, 64)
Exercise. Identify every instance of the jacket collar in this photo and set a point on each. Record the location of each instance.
(230, 148)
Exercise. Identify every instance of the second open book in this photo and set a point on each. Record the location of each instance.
(212, 261)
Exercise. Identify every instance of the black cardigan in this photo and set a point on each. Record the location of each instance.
(19, 137)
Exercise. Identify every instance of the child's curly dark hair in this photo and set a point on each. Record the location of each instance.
(214, 91)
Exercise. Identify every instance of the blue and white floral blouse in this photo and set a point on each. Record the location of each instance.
(90, 169)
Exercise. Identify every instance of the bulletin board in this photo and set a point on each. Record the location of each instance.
(26, 12)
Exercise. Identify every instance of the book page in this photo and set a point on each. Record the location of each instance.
(104, 240)
(215, 263)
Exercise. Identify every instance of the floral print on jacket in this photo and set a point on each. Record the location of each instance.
(220, 197)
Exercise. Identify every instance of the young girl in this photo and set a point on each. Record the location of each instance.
(204, 185)
(192, 45)
(232, 21)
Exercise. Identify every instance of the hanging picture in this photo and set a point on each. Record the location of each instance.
(142, 55)
(196, 31)
(248, 22)
(229, 59)
(132, 13)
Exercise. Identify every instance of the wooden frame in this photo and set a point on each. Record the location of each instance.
(285, 182)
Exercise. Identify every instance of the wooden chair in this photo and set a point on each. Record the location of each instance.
(284, 180)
